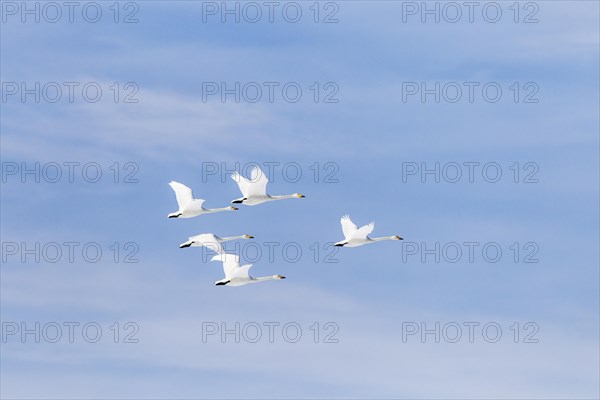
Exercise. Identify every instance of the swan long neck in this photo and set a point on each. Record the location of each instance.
(265, 278)
(378, 239)
(284, 196)
(212, 210)
(226, 239)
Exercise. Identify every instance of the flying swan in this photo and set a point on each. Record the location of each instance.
(210, 241)
(236, 275)
(355, 237)
(255, 189)
(188, 206)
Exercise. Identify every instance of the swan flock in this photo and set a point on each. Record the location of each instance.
(254, 192)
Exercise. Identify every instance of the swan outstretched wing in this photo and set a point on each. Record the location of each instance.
(364, 231)
(182, 193)
(348, 226)
(209, 241)
(258, 182)
(243, 183)
(255, 186)
(231, 263)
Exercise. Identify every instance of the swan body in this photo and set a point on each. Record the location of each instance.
(355, 236)
(254, 190)
(236, 275)
(188, 206)
(210, 241)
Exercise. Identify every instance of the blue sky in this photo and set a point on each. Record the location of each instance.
(370, 135)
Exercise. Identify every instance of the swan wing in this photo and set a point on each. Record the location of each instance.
(242, 272)
(203, 237)
(231, 263)
(243, 183)
(258, 182)
(348, 226)
(194, 205)
(364, 231)
(182, 193)
(209, 241)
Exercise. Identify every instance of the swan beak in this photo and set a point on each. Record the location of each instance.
(338, 245)
(184, 245)
(301, 195)
(280, 277)
(249, 237)
(398, 238)
(234, 208)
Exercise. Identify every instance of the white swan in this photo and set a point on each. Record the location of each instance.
(188, 206)
(212, 242)
(236, 275)
(355, 237)
(255, 189)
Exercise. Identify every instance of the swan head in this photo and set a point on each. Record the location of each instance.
(249, 236)
(279, 277)
(298, 195)
(232, 208)
(398, 237)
